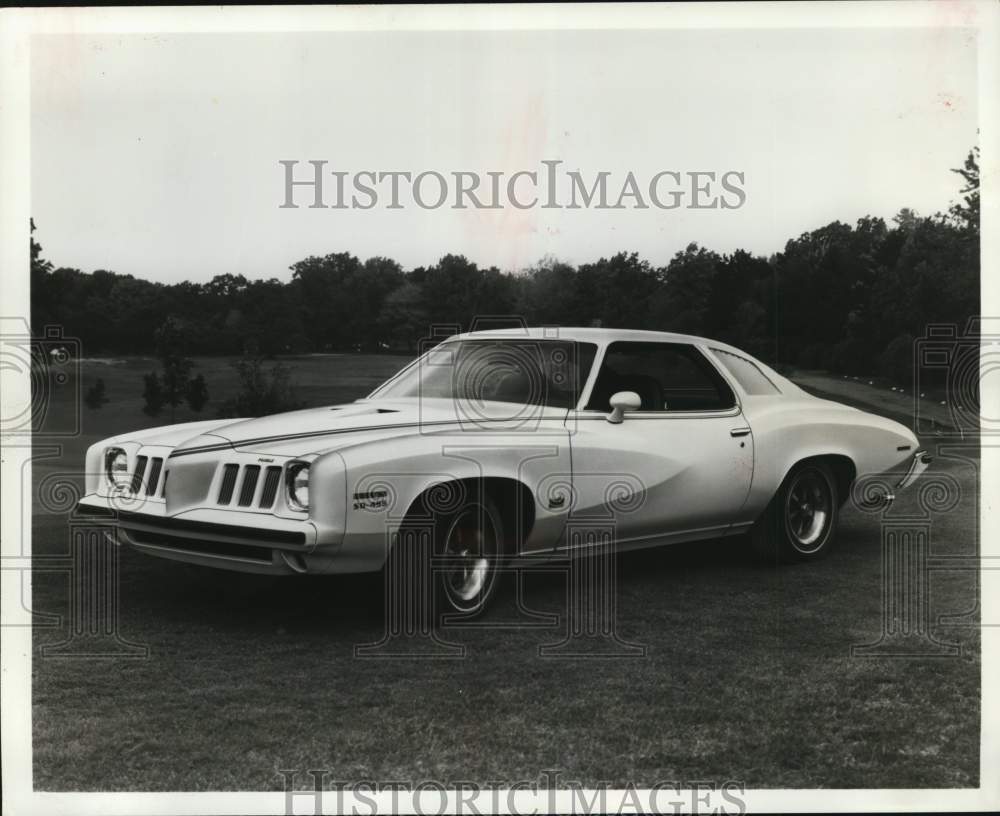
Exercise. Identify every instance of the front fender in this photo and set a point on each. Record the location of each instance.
(385, 478)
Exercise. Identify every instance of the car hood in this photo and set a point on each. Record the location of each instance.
(298, 433)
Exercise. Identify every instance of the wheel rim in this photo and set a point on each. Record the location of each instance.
(808, 510)
(469, 550)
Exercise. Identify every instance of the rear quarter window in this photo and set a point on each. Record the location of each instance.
(751, 379)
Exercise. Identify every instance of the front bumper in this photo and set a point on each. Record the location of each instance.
(263, 544)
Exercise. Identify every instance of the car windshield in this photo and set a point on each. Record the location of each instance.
(525, 372)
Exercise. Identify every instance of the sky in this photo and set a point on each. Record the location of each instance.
(158, 155)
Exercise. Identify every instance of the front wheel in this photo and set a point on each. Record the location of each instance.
(800, 523)
(447, 557)
(467, 554)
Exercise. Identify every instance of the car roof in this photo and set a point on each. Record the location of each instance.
(593, 335)
(602, 336)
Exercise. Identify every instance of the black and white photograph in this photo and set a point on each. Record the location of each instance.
(515, 409)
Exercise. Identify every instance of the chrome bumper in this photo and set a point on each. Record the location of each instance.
(278, 548)
(880, 496)
(918, 464)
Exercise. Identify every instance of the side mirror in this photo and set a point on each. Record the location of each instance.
(620, 403)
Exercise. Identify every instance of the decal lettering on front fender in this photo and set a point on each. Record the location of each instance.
(374, 500)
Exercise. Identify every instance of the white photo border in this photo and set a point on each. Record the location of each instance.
(17, 26)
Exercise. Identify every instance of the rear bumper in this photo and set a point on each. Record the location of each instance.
(883, 492)
(918, 464)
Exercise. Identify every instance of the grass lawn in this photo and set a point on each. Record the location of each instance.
(747, 675)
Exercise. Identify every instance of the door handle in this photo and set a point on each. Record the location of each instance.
(740, 432)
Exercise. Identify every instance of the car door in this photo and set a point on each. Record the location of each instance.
(680, 467)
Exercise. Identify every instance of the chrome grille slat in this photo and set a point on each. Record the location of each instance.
(163, 487)
(140, 471)
(154, 476)
(271, 482)
(250, 476)
(228, 483)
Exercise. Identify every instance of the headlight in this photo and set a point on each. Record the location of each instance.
(116, 466)
(297, 485)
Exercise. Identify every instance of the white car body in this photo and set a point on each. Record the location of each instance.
(656, 477)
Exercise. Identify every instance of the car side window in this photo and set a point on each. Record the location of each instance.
(669, 377)
(751, 379)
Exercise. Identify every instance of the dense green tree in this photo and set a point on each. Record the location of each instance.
(173, 384)
(197, 393)
(263, 390)
(152, 394)
(682, 303)
(403, 319)
(326, 288)
(844, 297)
(966, 213)
(614, 292)
(96, 395)
(548, 294)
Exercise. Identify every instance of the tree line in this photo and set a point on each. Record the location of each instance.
(843, 297)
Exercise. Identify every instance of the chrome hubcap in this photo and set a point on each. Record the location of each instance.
(808, 509)
(469, 544)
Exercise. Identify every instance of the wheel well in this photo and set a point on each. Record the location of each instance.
(844, 471)
(514, 498)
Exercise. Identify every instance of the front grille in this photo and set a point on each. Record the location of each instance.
(140, 471)
(242, 482)
(139, 479)
(271, 482)
(250, 474)
(154, 476)
(228, 483)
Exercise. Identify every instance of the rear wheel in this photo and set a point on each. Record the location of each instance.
(801, 521)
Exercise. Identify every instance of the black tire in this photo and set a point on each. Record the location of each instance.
(800, 523)
(449, 555)
(469, 552)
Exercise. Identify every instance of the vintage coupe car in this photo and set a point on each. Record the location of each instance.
(501, 447)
